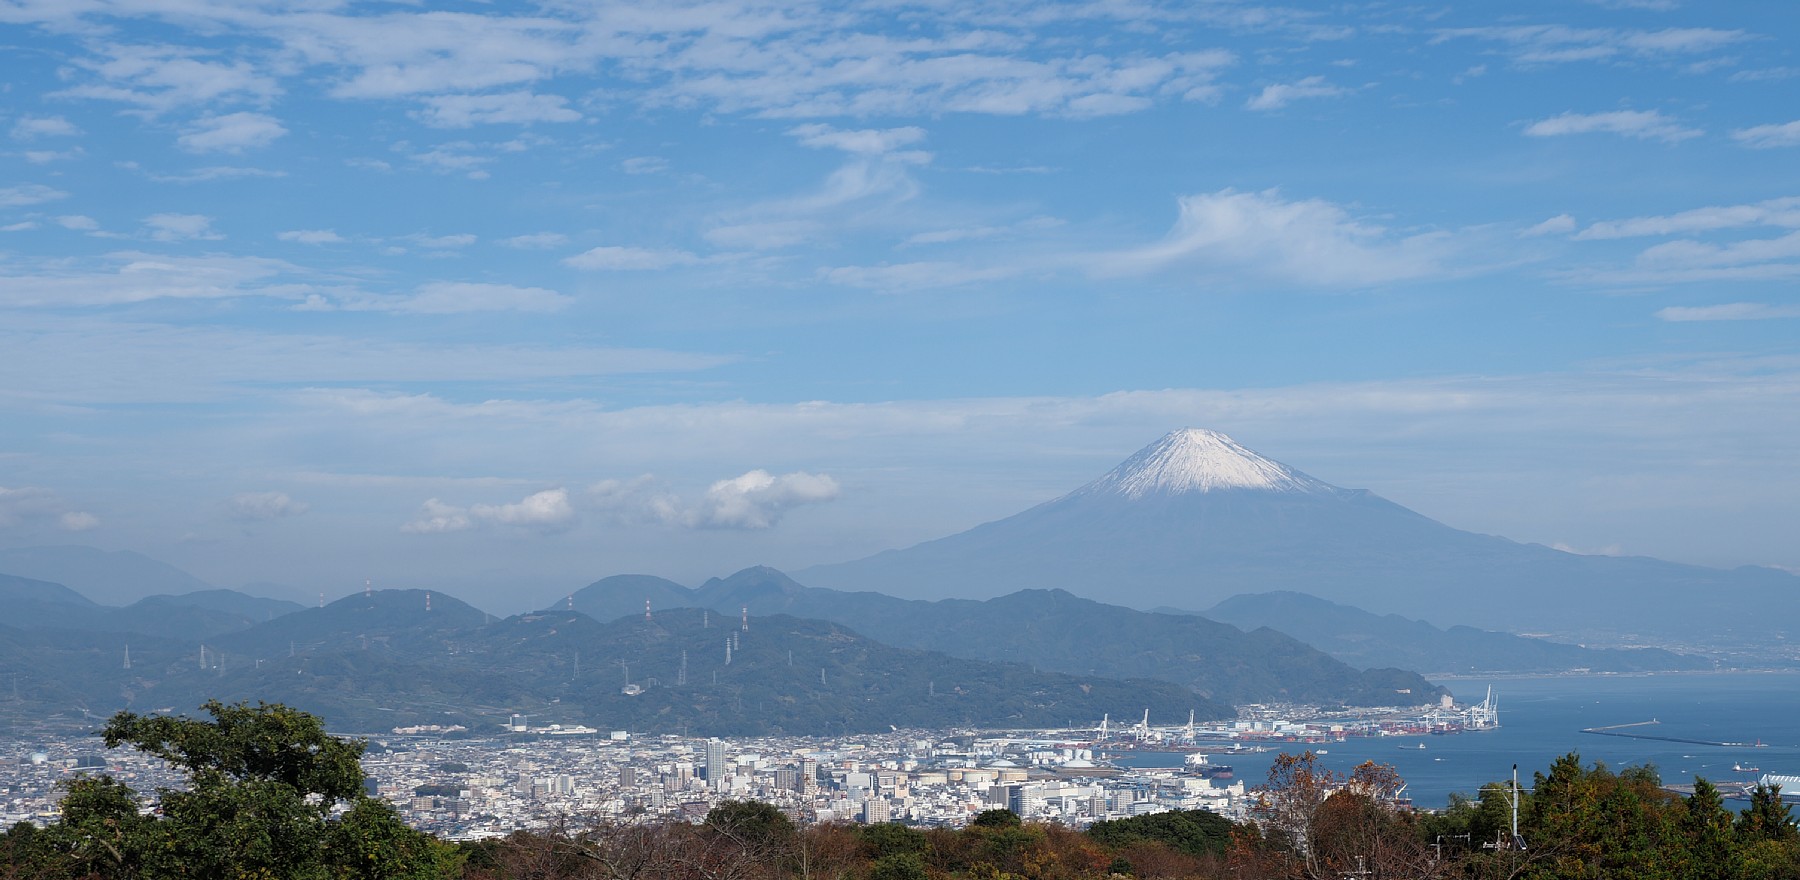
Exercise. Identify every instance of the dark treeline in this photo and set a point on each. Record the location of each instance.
(270, 796)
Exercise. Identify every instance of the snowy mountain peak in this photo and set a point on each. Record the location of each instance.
(1198, 460)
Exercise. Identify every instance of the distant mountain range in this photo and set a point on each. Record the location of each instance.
(1195, 518)
(1362, 639)
(374, 661)
(1050, 629)
(30, 603)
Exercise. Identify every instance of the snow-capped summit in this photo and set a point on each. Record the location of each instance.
(1198, 460)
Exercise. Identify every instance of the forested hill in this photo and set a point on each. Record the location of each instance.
(1050, 629)
(371, 662)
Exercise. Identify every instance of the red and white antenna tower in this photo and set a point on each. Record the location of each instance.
(646, 607)
(427, 600)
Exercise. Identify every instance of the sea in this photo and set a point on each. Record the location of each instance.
(1541, 719)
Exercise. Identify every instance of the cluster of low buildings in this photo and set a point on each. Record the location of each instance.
(462, 787)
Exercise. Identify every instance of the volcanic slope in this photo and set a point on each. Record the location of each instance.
(1196, 518)
(1052, 630)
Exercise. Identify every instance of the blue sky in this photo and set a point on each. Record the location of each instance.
(506, 297)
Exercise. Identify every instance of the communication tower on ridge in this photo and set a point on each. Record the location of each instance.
(746, 611)
(127, 655)
(368, 587)
(427, 600)
(646, 607)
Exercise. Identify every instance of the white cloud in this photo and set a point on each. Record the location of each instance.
(21, 226)
(521, 108)
(78, 222)
(28, 505)
(264, 506)
(757, 500)
(644, 165)
(616, 258)
(310, 236)
(214, 172)
(1782, 212)
(180, 227)
(537, 241)
(922, 275)
(1310, 242)
(546, 512)
(1640, 124)
(45, 157)
(1279, 95)
(441, 242)
(1741, 311)
(34, 127)
(77, 521)
(1688, 253)
(157, 79)
(1557, 44)
(131, 276)
(1558, 225)
(1763, 137)
(867, 142)
(232, 133)
(28, 194)
(453, 297)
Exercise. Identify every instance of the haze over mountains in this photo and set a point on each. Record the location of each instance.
(1196, 518)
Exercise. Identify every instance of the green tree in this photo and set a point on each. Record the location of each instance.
(265, 787)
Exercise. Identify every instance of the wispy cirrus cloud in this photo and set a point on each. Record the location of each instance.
(1263, 235)
(1561, 44)
(1639, 124)
(1278, 95)
(1739, 311)
(1768, 137)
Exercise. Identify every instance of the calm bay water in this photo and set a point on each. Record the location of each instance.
(1541, 719)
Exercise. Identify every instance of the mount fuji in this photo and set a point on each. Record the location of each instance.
(1195, 518)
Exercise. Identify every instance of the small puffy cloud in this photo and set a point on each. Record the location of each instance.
(758, 499)
(77, 521)
(1742, 311)
(1279, 95)
(29, 194)
(1561, 224)
(27, 505)
(44, 157)
(180, 227)
(34, 127)
(1782, 212)
(257, 506)
(536, 241)
(232, 133)
(20, 226)
(1765, 137)
(435, 516)
(310, 236)
(1640, 124)
(78, 222)
(546, 512)
(622, 259)
(519, 108)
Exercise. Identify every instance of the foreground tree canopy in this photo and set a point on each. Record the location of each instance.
(271, 796)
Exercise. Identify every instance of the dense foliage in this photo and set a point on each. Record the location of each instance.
(271, 796)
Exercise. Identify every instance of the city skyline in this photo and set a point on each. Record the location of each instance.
(503, 298)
